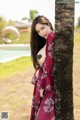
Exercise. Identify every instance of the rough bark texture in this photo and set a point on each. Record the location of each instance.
(63, 66)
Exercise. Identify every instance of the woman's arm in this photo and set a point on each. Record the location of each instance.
(46, 76)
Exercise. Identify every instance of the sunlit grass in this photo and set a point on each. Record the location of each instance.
(17, 65)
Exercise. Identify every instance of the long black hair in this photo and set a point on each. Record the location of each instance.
(37, 42)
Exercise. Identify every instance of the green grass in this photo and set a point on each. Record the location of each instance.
(11, 68)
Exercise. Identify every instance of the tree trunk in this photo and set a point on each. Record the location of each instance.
(63, 59)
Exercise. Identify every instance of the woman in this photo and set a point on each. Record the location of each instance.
(42, 43)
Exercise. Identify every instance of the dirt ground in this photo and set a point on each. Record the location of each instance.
(16, 95)
(16, 92)
(76, 82)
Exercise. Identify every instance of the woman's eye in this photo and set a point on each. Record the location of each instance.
(42, 28)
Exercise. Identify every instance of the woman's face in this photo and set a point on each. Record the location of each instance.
(43, 30)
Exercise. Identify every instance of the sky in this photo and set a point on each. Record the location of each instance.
(17, 9)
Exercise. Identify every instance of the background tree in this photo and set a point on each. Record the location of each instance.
(32, 14)
(2, 25)
(10, 23)
(63, 60)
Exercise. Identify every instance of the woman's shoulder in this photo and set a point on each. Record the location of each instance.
(51, 36)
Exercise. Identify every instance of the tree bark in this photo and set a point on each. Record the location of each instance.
(63, 59)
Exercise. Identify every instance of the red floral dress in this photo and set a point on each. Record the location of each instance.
(43, 108)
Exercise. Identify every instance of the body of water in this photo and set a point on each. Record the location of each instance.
(11, 52)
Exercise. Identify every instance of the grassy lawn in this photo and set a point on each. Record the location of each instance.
(10, 68)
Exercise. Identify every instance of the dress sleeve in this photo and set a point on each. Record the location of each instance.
(46, 79)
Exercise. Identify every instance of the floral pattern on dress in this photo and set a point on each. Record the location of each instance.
(38, 85)
(34, 105)
(48, 105)
(50, 50)
(43, 107)
(51, 55)
(53, 118)
(48, 88)
(34, 79)
(45, 74)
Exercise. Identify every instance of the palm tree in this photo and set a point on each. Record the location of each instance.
(63, 60)
(32, 14)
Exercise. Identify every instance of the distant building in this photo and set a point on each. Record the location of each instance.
(22, 27)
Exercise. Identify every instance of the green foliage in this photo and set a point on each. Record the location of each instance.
(10, 23)
(2, 23)
(32, 15)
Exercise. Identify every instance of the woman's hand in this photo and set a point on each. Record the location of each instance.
(37, 72)
(41, 93)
